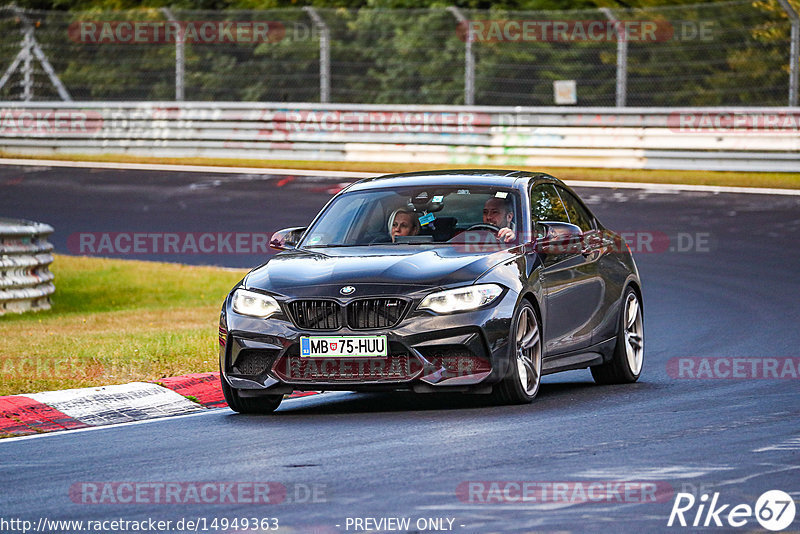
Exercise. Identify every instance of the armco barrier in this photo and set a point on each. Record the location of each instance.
(754, 139)
(26, 282)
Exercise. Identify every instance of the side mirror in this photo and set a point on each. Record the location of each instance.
(287, 238)
(554, 237)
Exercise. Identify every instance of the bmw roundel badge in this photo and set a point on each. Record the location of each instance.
(347, 290)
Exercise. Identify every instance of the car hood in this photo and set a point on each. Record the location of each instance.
(371, 270)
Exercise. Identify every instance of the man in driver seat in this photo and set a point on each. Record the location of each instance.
(499, 212)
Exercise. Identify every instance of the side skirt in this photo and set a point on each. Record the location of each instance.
(580, 359)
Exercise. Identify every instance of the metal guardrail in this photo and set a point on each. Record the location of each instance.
(26, 282)
(728, 139)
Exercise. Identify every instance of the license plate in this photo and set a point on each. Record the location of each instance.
(348, 346)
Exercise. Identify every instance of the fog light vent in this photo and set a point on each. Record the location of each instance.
(254, 362)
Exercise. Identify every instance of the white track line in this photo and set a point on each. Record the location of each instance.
(358, 175)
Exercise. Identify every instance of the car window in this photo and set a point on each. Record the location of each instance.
(577, 213)
(345, 218)
(546, 205)
(442, 213)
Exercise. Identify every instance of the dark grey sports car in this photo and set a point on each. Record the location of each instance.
(450, 281)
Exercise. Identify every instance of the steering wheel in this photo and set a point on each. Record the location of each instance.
(483, 226)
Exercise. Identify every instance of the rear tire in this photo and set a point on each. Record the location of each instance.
(524, 376)
(249, 405)
(625, 366)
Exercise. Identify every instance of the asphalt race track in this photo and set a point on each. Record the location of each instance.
(721, 280)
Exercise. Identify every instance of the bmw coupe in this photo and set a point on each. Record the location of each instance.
(471, 281)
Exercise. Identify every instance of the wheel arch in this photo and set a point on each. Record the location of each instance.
(531, 298)
(636, 286)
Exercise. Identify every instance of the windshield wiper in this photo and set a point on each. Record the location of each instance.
(335, 245)
(403, 243)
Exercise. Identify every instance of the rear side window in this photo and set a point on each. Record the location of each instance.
(546, 205)
(577, 213)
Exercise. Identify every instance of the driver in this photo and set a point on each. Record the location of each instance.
(500, 212)
(403, 222)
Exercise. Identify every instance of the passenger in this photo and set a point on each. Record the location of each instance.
(403, 222)
(500, 213)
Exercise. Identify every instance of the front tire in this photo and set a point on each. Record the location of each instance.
(248, 405)
(522, 381)
(625, 365)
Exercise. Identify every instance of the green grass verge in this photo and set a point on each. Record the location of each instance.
(741, 179)
(115, 321)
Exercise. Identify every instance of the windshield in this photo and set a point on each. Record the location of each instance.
(417, 216)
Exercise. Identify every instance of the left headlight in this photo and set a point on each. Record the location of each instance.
(461, 299)
(254, 304)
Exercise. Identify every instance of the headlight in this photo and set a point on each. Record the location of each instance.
(254, 304)
(461, 299)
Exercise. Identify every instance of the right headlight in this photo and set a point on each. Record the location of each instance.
(254, 304)
(461, 299)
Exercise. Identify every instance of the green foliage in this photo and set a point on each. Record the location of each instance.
(732, 53)
(115, 321)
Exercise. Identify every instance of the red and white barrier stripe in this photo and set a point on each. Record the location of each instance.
(71, 409)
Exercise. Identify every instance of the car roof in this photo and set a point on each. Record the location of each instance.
(489, 177)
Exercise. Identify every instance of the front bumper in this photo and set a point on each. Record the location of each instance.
(466, 351)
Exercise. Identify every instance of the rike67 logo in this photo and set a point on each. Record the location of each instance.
(774, 510)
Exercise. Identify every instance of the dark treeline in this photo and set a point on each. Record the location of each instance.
(510, 5)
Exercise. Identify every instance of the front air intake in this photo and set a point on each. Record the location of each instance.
(365, 314)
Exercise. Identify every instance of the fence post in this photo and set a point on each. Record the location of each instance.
(179, 55)
(469, 58)
(324, 55)
(27, 66)
(622, 57)
(30, 49)
(794, 51)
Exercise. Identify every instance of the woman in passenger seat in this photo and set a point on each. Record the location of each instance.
(403, 222)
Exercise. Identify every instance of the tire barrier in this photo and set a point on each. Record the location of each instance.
(26, 282)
